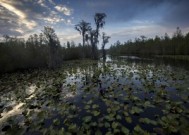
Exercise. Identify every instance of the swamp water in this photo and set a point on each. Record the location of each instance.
(120, 96)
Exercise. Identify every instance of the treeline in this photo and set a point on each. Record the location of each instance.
(45, 51)
(178, 44)
(38, 51)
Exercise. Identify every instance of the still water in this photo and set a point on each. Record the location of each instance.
(124, 95)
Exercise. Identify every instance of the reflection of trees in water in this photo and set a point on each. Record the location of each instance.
(89, 72)
(158, 61)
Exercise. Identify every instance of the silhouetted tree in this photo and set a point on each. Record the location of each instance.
(6, 38)
(68, 45)
(83, 27)
(100, 22)
(53, 43)
(92, 39)
(105, 40)
(44, 50)
(166, 36)
(178, 33)
(143, 37)
(41, 39)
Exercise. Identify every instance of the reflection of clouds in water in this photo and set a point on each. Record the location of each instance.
(14, 105)
(31, 89)
(75, 81)
(69, 95)
(120, 80)
(15, 111)
(72, 82)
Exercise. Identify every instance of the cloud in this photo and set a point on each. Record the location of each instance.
(13, 9)
(14, 18)
(53, 20)
(18, 30)
(71, 36)
(65, 10)
(22, 17)
(52, 2)
(176, 14)
(42, 3)
(66, 37)
(125, 18)
(97, 4)
(135, 30)
(138, 30)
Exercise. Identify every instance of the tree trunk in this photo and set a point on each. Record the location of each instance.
(83, 39)
(103, 53)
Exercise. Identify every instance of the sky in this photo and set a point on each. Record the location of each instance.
(126, 19)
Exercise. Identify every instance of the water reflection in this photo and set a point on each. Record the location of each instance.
(118, 83)
(169, 62)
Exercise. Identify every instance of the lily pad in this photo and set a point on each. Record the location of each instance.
(115, 125)
(147, 121)
(96, 113)
(87, 119)
(128, 119)
(135, 110)
(125, 130)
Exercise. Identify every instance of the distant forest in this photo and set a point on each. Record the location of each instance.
(45, 51)
(178, 44)
(39, 51)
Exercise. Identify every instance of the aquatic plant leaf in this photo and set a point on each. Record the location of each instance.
(148, 104)
(87, 119)
(139, 130)
(109, 133)
(94, 124)
(98, 132)
(118, 117)
(125, 130)
(135, 110)
(107, 125)
(95, 106)
(72, 127)
(87, 107)
(128, 119)
(89, 102)
(96, 113)
(56, 122)
(126, 113)
(147, 121)
(114, 125)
